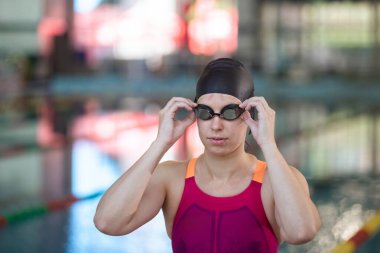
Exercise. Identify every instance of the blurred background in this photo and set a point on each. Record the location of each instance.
(82, 81)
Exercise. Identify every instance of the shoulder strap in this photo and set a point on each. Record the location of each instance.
(258, 176)
(190, 171)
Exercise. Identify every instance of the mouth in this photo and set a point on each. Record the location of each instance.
(217, 140)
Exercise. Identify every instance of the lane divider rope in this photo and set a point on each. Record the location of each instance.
(38, 209)
(370, 228)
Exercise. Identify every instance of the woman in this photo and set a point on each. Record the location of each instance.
(226, 200)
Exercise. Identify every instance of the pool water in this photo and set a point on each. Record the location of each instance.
(344, 205)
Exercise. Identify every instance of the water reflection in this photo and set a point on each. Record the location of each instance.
(344, 205)
(341, 215)
(84, 237)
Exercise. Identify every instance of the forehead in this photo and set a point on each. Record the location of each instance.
(217, 100)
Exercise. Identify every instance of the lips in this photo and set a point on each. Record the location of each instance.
(217, 140)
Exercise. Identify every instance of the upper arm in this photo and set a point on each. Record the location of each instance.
(305, 189)
(301, 180)
(152, 199)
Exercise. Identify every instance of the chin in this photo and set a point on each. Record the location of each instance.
(220, 150)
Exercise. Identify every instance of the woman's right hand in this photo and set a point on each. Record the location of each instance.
(171, 129)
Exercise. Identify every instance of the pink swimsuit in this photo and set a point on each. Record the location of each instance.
(236, 224)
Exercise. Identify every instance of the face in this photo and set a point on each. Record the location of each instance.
(221, 134)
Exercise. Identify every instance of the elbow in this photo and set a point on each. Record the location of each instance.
(304, 235)
(107, 227)
(300, 238)
(306, 232)
(101, 225)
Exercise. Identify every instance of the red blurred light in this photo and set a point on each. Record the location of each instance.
(47, 29)
(51, 27)
(213, 30)
(131, 33)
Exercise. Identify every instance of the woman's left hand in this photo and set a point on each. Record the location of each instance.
(263, 128)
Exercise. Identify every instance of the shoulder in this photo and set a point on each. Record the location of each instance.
(172, 166)
(173, 174)
(301, 179)
(267, 185)
(170, 171)
(296, 173)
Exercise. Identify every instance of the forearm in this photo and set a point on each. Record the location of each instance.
(121, 200)
(298, 214)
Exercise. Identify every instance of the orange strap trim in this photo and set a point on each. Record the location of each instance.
(190, 171)
(258, 176)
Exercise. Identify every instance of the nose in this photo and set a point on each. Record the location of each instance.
(216, 123)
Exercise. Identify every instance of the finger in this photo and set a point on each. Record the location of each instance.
(252, 124)
(248, 105)
(262, 113)
(245, 102)
(169, 104)
(189, 119)
(264, 101)
(192, 102)
(265, 104)
(246, 116)
(258, 103)
(183, 102)
(175, 107)
(174, 100)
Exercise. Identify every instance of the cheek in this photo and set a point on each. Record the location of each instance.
(235, 130)
(202, 129)
(238, 132)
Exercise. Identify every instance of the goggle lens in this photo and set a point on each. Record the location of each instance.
(229, 112)
(203, 114)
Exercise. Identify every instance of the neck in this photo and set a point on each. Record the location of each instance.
(223, 168)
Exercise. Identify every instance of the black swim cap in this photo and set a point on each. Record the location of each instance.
(226, 76)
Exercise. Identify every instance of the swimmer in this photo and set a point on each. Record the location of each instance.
(225, 200)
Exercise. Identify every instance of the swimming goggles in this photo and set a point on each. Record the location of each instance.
(229, 112)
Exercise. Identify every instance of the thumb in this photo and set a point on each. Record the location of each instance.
(189, 119)
(186, 122)
(246, 116)
(252, 124)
